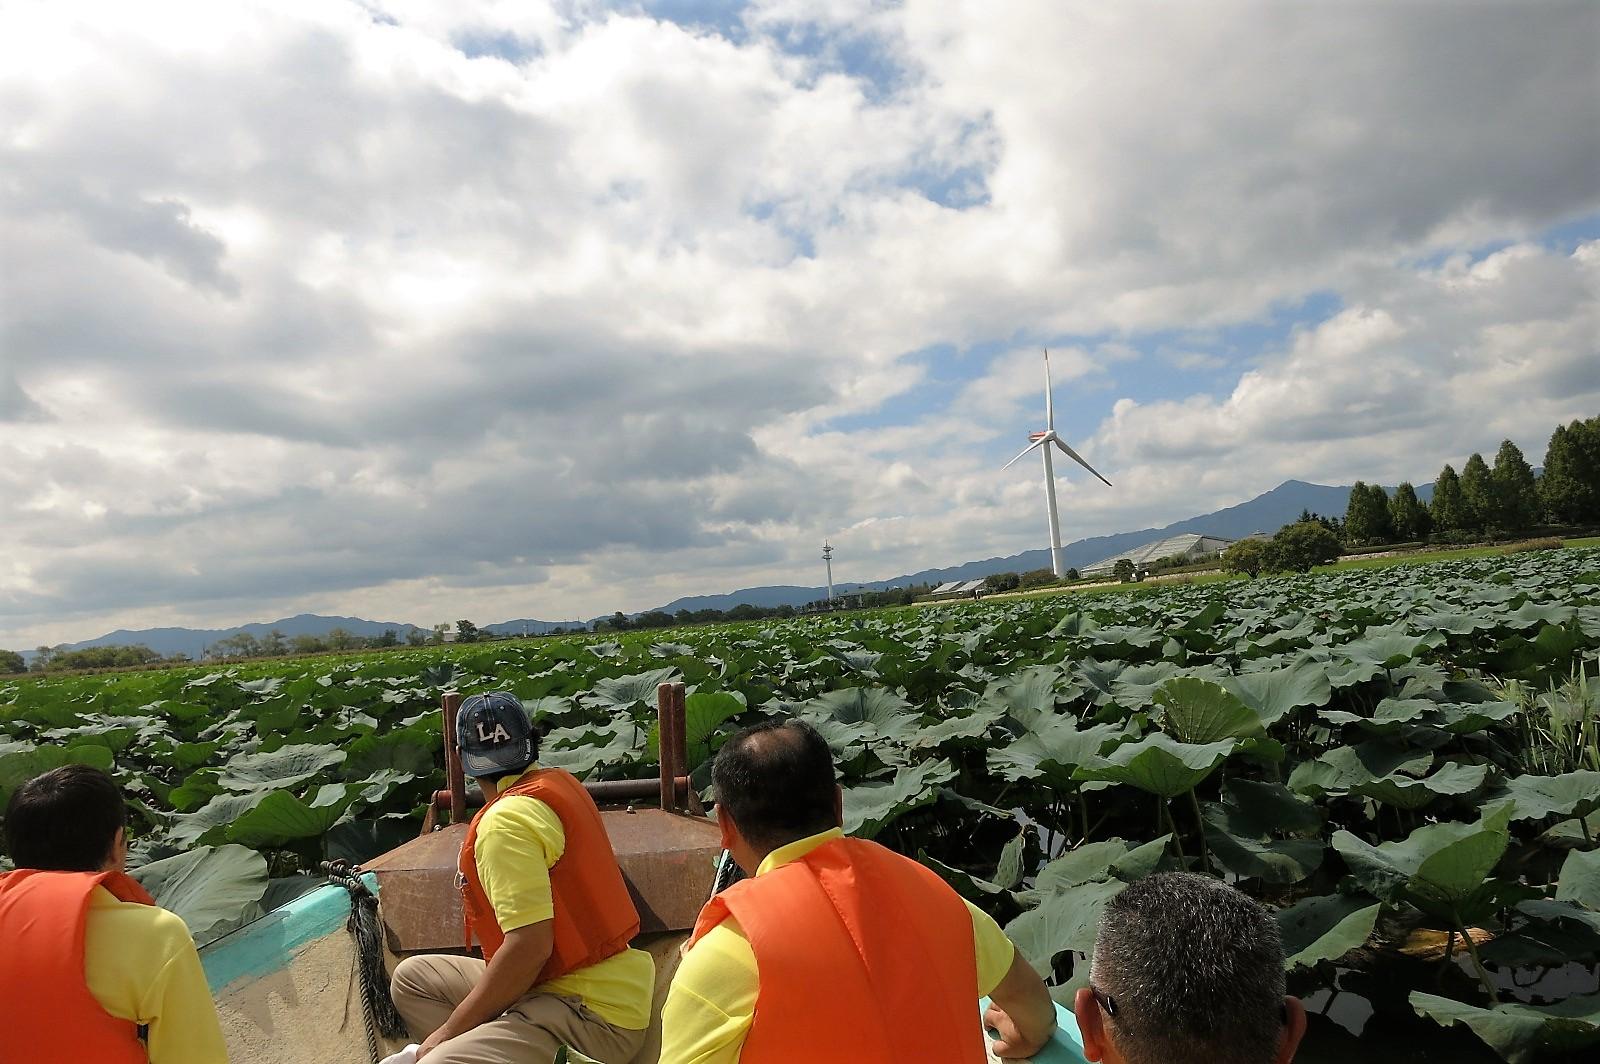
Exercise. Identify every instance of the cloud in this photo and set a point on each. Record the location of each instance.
(547, 309)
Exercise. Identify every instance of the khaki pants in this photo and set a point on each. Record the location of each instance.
(428, 987)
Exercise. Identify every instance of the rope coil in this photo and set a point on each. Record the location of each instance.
(378, 1014)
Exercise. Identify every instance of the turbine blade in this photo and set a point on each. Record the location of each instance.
(1076, 457)
(1025, 450)
(1049, 403)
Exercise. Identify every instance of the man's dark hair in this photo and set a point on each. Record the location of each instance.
(65, 820)
(776, 780)
(1194, 970)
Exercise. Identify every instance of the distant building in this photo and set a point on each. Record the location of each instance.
(957, 589)
(1182, 549)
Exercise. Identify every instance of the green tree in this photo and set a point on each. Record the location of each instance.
(1123, 570)
(467, 632)
(415, 637)
(439, 630)
(1569, 488)
(342, 639)
(1037, 578)
(11, 661)
(1448, 509)
(1366, 517)
(1408, 518)
(1248, 556)
(389, 638)
(237, 645)
(307, 644)
(996, 582)
(1516, 493)
(1477, 493)
(273, 644)
(1300, 546)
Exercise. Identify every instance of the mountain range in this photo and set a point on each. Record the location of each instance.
(1265, 513)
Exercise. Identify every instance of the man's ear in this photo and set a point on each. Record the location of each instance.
(838, 806)
(730, 834)
(117, 859)
(1294, 1028)
(1090, 1024)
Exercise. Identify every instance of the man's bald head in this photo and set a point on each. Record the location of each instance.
(776, 781)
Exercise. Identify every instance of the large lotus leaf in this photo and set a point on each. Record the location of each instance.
(287, 766)
(1159, 764)
(281, 817)
(1580, 879)
(1028, 695)
(1199, 711)
(214, 889)
(703, 713)
(1054, 748)
(1388, 648)
(860, 714)
(209, 823)
(970, 730)
(1009, 869)
(404, 750)
(868, 807)
(1089, 863)
(1276, 693)
(1440, 868)
(1124, 640)
(617, 694)
(1522, 1034)
(1135, 687)
(1350, 766)
(1569, 795)
(1387, 718)
(1145, 860)
(19, 764)
(1555, 933)
(1235, 842)
(1405, 792)
(1074, 624)
(1325, 928)
(1062, 921)
(1465, 719)
(1263, 808)
(973, 888)
(581, 749)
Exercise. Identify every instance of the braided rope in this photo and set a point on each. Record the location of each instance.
(378, 1014)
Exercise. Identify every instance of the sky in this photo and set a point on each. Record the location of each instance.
(509, 308)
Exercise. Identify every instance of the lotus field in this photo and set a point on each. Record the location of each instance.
(1403, 762)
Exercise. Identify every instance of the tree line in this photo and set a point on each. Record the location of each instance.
(1507, 499)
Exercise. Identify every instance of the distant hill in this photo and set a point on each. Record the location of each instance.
(1267, 512)
(1264, 513)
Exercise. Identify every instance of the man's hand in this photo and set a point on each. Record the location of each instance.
(430, 1043)
(1020, 1012)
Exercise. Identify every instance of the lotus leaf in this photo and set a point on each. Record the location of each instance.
(1580, 879)
(1326, 927)
(1159, 764)
(1199, 711)
(1440, 868)
(213, 889)
(1569, 795)
(288, 766)
(1522, 1034)
(868, 807)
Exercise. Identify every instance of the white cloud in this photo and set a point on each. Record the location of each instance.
(545, 309)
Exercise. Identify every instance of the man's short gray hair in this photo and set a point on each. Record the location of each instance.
(1194, 970)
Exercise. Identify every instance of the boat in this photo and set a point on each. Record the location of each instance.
(307, 983)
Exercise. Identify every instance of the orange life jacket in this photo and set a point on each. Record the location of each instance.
(50, 1013)
(594, 914)
(863, 955)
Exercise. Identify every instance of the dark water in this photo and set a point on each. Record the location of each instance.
(1369, 1018)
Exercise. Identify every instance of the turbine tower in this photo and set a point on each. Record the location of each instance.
(827, 556)
(1043, 440)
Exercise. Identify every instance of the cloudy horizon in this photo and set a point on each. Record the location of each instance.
(416, 311)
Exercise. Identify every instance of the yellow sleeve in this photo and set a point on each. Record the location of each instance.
(519, 838)
(995, 951)
(141, 965)
(712, 1000)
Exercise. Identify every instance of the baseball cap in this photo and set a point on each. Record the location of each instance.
(494, 735)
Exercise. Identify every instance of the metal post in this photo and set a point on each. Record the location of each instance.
(680, 741)
(665, 745)
(455, 779)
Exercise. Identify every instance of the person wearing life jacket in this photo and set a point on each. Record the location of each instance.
(544, 897)
(838, 949)
(90, 968)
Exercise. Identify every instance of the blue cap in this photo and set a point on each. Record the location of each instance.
(494, 735)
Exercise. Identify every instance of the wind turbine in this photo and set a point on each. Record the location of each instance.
(1043, 440)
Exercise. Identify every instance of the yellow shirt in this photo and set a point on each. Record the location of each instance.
(712, 1001)
(140, 963)
(519, 840)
